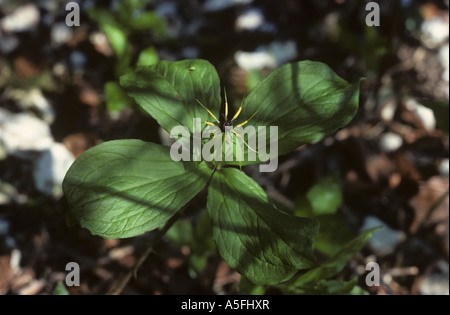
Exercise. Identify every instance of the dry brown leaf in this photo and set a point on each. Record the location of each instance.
(427, 198)
(77, 143)
(6, 273)
(25, 69)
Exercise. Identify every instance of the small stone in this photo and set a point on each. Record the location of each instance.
(250, 20)
(388, 110)
(254, 60)
(16, 257)
(385, 239)
(4, 225)
(390, 142)
(444, 59)
(50, 169)
(61, 34)
(77, 59)
(425, 114)
(101, 43)
(34, 99)
(443, 167)
(436, 282)
(24, 18)
(7, 194)
(8, 43)
(272, 56)
(435, 31)
(23, 132)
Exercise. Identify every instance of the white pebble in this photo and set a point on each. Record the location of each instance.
(4, 226)
(254, 60)
(272, 56)
(50, 169)
(22, 19)
(384, 239)
(390, 142)
(61, 34)
(425, 114)
(23, 132)
(434, 31)
(250, 20)
(436, 283)
(443, 167)
(444, 58)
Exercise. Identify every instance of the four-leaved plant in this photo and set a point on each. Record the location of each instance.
(125, 188)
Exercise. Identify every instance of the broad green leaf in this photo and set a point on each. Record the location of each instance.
(131, 14)
(145, 20)
(262, 243)
(116, 99)
(254, 76)
(169, 91)
(117, 36)
(306, 100)
(118, 39)
(129, 6)
(124, 188)
(325, 196)
(148, 57)
(336, 263)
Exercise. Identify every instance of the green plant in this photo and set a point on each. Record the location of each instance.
(124, 188)
(321, 202)
(60, 289)
(126, 18)
(335, 240)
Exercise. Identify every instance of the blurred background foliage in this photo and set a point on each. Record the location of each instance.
(59, 96)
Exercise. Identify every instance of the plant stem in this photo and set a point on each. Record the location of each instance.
(153, 242)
